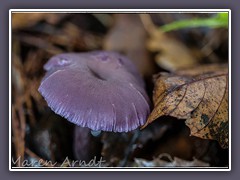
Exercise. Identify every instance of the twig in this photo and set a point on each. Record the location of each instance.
(130, 148)
(18, 127)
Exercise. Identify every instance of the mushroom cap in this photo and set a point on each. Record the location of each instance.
(101, 90)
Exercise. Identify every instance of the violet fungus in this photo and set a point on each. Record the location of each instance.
(101, 90)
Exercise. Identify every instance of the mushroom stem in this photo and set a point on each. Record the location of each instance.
(95, 133)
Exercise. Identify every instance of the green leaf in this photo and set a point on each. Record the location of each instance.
(218, 21)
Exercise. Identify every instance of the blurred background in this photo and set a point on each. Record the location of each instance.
(38, 133)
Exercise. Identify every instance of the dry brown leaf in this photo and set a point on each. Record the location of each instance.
(23, 19)
(198, 95)
(171, 55)
(176, 162)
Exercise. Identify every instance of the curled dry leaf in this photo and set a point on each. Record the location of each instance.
(198, 95)
(176, 162)
(171, 55)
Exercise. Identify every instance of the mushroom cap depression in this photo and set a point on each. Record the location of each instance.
(100, 90)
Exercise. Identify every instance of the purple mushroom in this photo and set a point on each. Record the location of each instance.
(101, 90)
